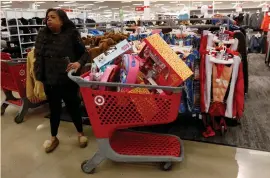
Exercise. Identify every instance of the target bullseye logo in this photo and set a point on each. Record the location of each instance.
(99, 100)
(22, 72)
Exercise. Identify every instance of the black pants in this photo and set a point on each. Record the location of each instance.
(69, 94)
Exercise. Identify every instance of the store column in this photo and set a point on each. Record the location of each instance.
(146, 13)
(33, 6)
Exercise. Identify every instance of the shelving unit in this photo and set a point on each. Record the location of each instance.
(14, 14)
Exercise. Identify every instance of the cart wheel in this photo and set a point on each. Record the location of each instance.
(166, 166)
(3, 108)
(86, 169)
(18, 119)
(222, 130)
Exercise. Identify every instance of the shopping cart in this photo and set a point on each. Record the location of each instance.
(112, 113)
(13, 79)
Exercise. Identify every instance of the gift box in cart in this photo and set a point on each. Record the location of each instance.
(112, 113)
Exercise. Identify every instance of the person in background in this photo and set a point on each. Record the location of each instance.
(59, 49)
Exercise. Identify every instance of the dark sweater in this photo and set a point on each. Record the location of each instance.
(53, 52)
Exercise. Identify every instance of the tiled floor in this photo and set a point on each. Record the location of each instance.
(23, 156)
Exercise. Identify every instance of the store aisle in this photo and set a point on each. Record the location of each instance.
(23, 156)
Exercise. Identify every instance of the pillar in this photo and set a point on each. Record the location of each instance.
(33, 6)
(146, 13)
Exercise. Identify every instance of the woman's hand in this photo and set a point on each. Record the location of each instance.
(75, 66)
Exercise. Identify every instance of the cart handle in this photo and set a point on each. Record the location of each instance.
(14, 61)
(84, 83)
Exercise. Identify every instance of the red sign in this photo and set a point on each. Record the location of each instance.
(139, 8)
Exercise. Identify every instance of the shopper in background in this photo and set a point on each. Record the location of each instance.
(59, 49)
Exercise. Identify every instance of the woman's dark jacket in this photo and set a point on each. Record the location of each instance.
(53, 52)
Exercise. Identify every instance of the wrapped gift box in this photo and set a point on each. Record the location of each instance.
(169, 69)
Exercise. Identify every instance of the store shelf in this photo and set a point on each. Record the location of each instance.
(32, 42)
(12, 26)
(27, 34)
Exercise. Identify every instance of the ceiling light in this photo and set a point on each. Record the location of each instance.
(98, 1)
(106, 12)
(125, 6)
(89, 4)
(69, 2)
(115, 8)
(95, 9)
(6, 6)
(260, 5)
(37, 5)
(174, 2)
(217, 2)
(82, 7)
(197, 2)
(125, 1)
(159, 4)
(7, 2)
(101, 7)
(137, 4)
(40, 2)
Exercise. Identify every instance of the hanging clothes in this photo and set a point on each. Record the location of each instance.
(255, 21)
(265, 22)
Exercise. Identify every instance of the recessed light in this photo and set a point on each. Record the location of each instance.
(159, 4)
(6, 6)
(125, 6)
(69, 2)
(101, 7)
(137, 4)
(174, 2)
(89, 4)
(115, 8)
(106, 12)
(40, 2)
(7, 2)
(82, 7)
(98, 1)
(125, 1)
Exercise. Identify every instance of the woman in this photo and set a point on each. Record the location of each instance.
(58, 49)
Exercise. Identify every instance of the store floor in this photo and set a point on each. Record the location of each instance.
(23, 156)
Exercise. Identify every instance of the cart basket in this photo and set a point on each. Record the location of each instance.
(111, 110)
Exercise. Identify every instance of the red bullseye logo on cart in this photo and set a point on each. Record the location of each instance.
(99, 100)
(22, 72)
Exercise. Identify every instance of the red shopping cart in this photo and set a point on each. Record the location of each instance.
(112, 113)
(13, 79)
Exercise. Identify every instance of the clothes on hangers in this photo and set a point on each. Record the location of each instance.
(255, 21)
(255, 44)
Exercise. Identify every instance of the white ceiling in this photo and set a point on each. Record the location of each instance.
(106, 7)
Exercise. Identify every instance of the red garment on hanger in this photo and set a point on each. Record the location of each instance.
(203, 53)
(265, 22)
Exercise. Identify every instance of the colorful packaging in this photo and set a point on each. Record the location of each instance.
(129, 70)
(109, 75)
(108, 57)
(169, 70)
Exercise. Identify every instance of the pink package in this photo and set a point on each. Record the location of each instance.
(107, 74)
(130, 69)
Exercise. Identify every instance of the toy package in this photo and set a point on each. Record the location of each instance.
(162, 63)
(108, 57)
